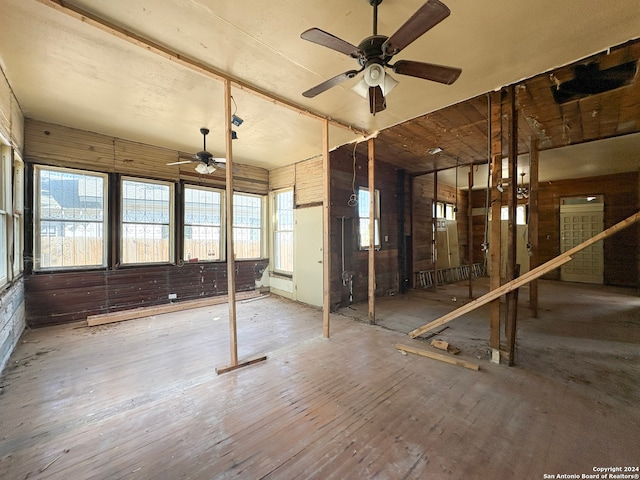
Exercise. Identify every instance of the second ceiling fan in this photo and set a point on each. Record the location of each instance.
(206, 162)
(374, 55)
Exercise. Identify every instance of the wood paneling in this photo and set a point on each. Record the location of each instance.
(133, 158)
(65, 297)
(621, 200)
(309, 182)
(283, 177)
(356, 260)
(69, 147)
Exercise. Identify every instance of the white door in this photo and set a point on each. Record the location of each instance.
(579, 222)
(308, 255)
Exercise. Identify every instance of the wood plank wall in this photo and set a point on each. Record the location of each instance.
(60, 297)
(422, 219)
(54, 298)
(621, 200)
(356, 260)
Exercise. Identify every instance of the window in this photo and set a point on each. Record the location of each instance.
(445, 210)
(363, 214)
(147, 221)
(283, 231)
(521, 214)
(70, 218)
(202, 224)
(247, 226)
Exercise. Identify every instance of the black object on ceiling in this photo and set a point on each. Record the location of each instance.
(590, 80)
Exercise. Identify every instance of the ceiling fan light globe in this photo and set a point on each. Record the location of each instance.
(211, 169)
(361, 88)
(388, 85)
(374, 75)
(202, 168)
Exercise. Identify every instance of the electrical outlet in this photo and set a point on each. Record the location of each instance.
(173, 296)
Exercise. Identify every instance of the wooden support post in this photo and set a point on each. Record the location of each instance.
(534, 259)
(372, 230)
(326, 233)
(495, 236)
(470, 230)
(434, 230)
(526, 278)
(231, 264)
(512, 233)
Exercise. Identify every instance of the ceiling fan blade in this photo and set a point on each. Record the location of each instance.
(427, 17)
(332, 82)
(428, 71)
(377, 102)
(325, 39)
(181, 162)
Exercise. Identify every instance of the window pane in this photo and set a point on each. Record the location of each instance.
(202, 229)
(247, 226)
(283, 232)
(363, 213)
(146, 222)
(71, 209)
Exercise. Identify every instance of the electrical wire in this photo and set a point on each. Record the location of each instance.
(485, 245)
(353, 199)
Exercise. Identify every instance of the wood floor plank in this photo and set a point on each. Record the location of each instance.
(141, 399)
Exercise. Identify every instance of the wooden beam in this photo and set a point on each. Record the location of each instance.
(525, 278)
(231, 270)
(434, 230)
(495, 236)
(437, 356)
(470, 229)
(533, 223)
(183, 60)
(133, 313)
(237, 365)
(372, 231)
(512, 232)
(326, 232)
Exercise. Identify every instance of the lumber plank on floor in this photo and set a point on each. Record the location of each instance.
(112, 317)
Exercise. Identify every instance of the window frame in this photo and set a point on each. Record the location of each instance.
(222, 226)
(37, 219)
(276, 230)
(5, 213)
(361, 219)
(18, 214)
(170, 225)
(261, 228)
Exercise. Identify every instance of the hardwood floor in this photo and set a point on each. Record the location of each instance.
(141, 399)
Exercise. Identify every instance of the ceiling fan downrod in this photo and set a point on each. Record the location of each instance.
(374, 4)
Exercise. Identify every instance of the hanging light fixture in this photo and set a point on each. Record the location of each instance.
(522, 191)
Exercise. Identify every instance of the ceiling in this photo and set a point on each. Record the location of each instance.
(66, 70)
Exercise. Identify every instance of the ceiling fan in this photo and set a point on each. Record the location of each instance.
(375, 52)
(207, 163)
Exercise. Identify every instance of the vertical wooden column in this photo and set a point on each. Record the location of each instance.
(495, 227)
(372, 232)
(533, 224)
(470, 230)
(512, 234)
(434, 230)
(231, 261)
(326, 232)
